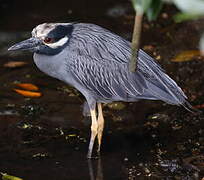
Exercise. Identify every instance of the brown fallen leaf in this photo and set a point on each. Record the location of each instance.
(186, 56)
(199, 106)
(148, 47)
(28, 93)
(28, 86)
(15, 64)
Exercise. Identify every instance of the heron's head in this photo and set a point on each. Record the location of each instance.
(47, 38)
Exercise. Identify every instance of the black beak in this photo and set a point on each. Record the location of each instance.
(28, 44)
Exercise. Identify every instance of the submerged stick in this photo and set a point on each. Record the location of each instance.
(135, 42)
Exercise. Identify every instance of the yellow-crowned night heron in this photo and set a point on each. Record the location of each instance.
(95, 61)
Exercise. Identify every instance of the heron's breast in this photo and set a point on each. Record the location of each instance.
(50, 65)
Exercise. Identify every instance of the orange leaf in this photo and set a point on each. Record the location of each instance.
(186, 56)
(28, 86)
(28, 93)
(15, 64)
(199, 106)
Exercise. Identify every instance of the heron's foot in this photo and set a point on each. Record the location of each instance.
(98, 153)
(89, 156)
(95, 156)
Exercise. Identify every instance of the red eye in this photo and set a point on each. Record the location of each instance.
(48, 40)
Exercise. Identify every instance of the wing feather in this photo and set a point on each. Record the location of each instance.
(99, 63)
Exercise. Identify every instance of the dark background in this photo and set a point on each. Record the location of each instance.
(47, 137)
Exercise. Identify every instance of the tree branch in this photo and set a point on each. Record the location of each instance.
(135, 41)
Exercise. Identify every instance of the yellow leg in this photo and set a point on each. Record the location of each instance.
(100, 126)
(94, 130)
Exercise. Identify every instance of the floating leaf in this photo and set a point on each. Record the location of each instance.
(15, 64)
(72, 135)
(28, 93)
(28, 86)
(186, 56)
(199, 106)
(9, 177)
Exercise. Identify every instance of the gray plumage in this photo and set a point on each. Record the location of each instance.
(95, 61)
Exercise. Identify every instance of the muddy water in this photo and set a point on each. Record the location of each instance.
(47, 137)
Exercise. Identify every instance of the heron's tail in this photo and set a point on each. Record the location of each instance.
(160, 85)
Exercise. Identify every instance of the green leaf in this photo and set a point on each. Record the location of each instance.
(193, 7)
(141, 5)
(154, 9)
(184, 17)
(9, 177)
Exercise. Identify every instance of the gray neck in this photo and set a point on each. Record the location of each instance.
(51, 65)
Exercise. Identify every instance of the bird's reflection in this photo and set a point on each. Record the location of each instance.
(95, 174)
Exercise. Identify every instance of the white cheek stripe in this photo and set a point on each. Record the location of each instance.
(61, 42)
